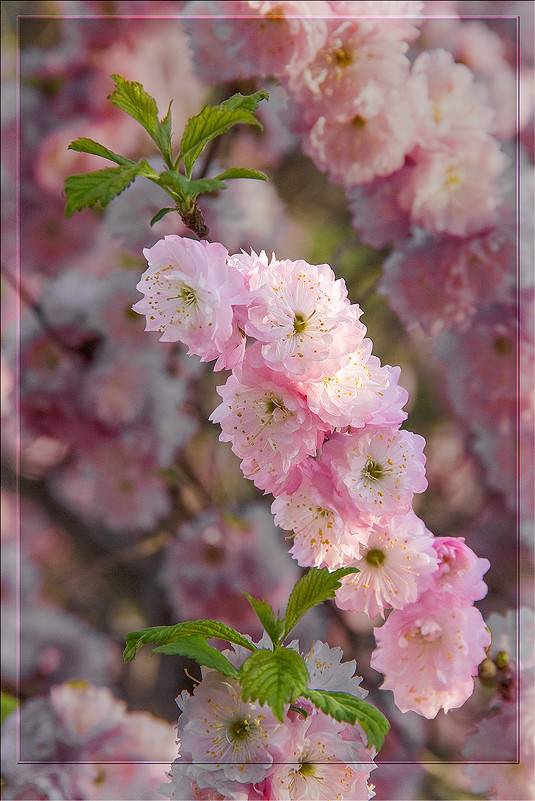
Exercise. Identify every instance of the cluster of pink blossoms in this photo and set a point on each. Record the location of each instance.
(316, 421)
(231, 748)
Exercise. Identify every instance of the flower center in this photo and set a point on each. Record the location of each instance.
(452, 177)
(300, 322)
(239, 730)
(503, 345)
(307, 769)
(375, 557)
(188, 295)
(342, 57)
(373, 471)
(359, 122)
(273, 403)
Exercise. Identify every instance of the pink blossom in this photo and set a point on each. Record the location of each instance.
(376, 213)
(267, 421)
(360, 392)
(255, 37)
(189, 293)
(301, 315)
(395, 563)
(453, 189)
(460, 571)
(428, 652)
(368, 141)
(440, 283)
(319, 519)
(401, 19)
(115, 482)
(85, 744)
(482, 367)
(457, 107)
(225, 738)
(321, 764)
(360, 57)
(382, 469)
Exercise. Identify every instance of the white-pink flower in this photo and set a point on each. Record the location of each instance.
(397, 559)
(190, 292)
(319, 519)
(301, 315)
(321, 764)
(381, 469)
(429, 652)
(453, 187)
(358, 392)
(267, 421)
(226, 738)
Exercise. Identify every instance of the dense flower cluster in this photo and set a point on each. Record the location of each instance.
(81, 742)
(343, 478)
(231, 748)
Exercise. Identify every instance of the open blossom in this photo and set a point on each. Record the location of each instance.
(228, 738)
(301, 315)
(321, 764)
(381, 469)
(189, 293)
(369, 140)
(452, 189)
(267, 421)
(429, 652)
(360, 392)
(393, 565)
(319, 519)
(359, 56)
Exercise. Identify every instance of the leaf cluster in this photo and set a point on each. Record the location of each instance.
(277, 676)
(101, 186)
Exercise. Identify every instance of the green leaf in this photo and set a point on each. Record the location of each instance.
(188, 188)
(196, 647)
(313, 588)
(9, 704)
(84, 145)
(242, 172)
(166, 634)
(160, 214)
(267, 617)
(98, 187)
(131, 97)
(213, 121)
(349, 708)
(275, 677)
(245, 102)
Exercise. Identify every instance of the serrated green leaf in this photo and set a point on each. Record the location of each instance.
(9, 704)
(131, 97)
(196, 647)
(100, 186)
(242, 172)
(166, 634)
(160, 214)
(275, 678)
(245, 102)
(267, 617)
(212, 121)
(180, 183)
(349, 708)
(313, 588)
(84, 145)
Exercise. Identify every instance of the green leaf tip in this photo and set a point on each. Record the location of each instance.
(314, 587)
(167, 634)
